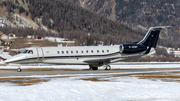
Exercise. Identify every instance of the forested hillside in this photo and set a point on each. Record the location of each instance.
(72, 21)
(67, 19)
(147, 13)
(139, 14)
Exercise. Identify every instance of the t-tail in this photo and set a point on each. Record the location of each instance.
(149, 41)
(152, 36)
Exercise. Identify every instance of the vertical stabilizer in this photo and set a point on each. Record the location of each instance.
(152, 36)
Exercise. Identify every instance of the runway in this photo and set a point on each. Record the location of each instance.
(86, 71)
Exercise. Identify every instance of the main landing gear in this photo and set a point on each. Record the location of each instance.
(106, 67)
(93, 68)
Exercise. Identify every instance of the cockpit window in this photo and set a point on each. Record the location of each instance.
(25, 51)
(30, 52)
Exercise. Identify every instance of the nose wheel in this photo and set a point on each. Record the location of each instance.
(19, 69)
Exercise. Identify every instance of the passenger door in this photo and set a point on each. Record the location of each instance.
(40, 54)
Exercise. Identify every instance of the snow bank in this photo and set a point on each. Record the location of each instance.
(71, 89)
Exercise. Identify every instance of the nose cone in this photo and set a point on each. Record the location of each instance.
(15, 59)
(7, 61)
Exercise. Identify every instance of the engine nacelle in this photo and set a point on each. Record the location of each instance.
(132, 48)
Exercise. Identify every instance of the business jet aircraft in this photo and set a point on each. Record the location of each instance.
(94, 56)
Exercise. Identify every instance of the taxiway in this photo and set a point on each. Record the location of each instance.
(86, 71)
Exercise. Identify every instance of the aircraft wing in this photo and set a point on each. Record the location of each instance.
(108, 59)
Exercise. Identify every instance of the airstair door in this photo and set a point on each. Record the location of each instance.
(40, 54)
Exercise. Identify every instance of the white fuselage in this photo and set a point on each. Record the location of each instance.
(76, 55)
(65, 55)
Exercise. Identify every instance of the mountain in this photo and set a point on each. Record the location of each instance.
(139, 14)
(106, 8)
(64, 19)
(75, 20)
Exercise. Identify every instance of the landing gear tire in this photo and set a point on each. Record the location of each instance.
(94, 68)
(19, 70)
(90, 67)
(107, 67)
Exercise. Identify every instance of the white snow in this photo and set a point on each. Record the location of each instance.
(71, 89)
(29, 43)
(56, 39)
(2, 25)
(74, 89)
(5, 36)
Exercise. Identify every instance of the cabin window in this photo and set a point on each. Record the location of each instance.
(82, 51)
(58, 52)
(76, 51)
(47, 51)
(108, 51)
(67, 52)
(97, 51)
(103, 51)
(62, 52)
(30, 52)
(25, 51)
(86, 51)
(71, 52)
(91, 51)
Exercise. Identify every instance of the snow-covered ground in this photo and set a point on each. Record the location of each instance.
(72, 88)
(56, 39)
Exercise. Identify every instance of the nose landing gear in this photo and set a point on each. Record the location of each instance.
(19, 69)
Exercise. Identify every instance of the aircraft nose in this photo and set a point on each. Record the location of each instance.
(15, 59)
(6, 62)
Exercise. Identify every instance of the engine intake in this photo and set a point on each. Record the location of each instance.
(132, 48)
